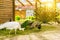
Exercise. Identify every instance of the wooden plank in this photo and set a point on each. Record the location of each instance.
(6, 10)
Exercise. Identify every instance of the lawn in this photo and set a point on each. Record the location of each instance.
(27, 31)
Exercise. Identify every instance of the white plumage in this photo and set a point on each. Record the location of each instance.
(11, 26)
(2, 26)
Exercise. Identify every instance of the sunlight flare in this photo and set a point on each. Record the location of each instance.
(49, 5)
(46, 0)
(58, 5)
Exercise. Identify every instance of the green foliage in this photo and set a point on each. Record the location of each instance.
(17, 18)
(44, 15)
(58, 17)
(30, 18)
(26, 23)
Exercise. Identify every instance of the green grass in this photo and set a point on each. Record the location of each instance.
(27, 31)
(48, 28)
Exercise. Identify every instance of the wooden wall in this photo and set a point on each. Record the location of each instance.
(6, 10)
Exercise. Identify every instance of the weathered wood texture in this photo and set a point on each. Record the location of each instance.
(6, 10)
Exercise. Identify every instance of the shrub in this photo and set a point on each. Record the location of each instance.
(26, 23)
(30, 18)
(44, 15)
(17, 18)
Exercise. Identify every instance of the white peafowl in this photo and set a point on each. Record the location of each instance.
(11, 26)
